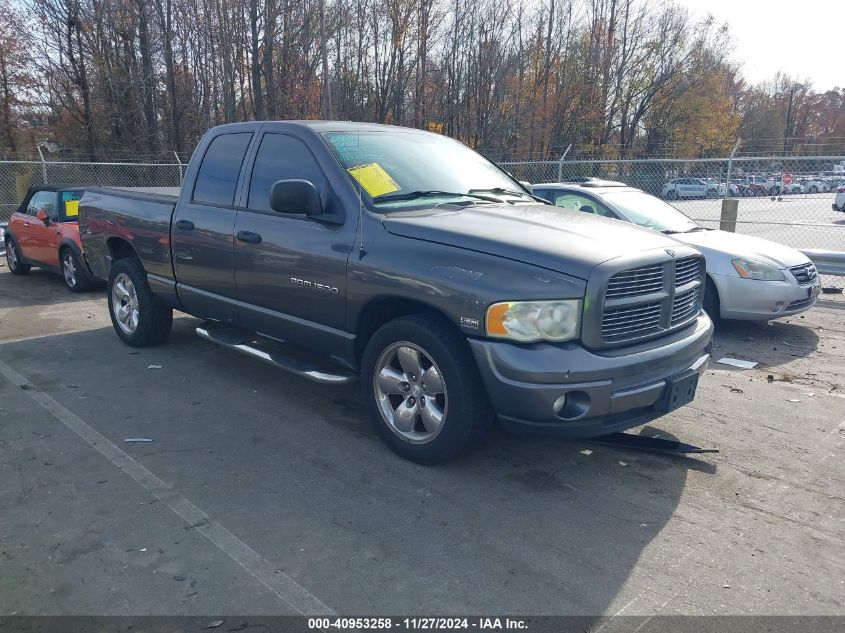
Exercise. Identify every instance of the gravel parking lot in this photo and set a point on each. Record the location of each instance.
(265, 494)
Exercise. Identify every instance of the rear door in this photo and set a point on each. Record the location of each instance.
(203, 229)
(290, 270)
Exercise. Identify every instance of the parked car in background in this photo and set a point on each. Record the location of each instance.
(688, 188)
(44, 233)
(815, 185)
(747, 277)
(839, 201)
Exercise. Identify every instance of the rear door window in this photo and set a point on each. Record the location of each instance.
(217, 177)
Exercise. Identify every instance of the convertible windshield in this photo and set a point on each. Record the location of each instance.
(401, 168)
(646, 210)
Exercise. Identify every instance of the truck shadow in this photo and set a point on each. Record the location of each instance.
(296, 471)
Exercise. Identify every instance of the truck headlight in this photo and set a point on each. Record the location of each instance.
(751, 269)
(527, 321)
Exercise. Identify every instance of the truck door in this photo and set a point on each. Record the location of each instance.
(202, 231)
(290, 270)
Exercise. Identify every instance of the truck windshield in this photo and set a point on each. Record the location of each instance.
(397, 169)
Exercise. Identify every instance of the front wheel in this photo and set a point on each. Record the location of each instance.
(73, 271)
(139, 317)
(13, 258)
(711, 301)
(671, 195)
(422, 389)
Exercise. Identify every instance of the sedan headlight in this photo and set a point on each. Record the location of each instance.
(527, 321)
(751, 269)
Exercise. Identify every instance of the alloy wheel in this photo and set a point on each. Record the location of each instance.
(69, 269)
(124, 301)
(410, 392)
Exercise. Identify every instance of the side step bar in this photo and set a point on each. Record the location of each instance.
(231, 339)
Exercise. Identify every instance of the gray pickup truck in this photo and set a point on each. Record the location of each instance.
(402, 258)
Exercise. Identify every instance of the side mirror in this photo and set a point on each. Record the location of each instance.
(296, 196)
(41, 214)
(527, 185)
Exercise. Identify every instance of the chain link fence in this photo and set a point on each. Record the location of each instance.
(787, 200)
(17, 176)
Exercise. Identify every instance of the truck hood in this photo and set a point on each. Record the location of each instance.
(717, 243)
(566, 241)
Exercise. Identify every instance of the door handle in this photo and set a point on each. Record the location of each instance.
(249, 236)
(185, 225)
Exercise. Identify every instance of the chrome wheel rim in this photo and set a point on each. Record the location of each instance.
(69, 269)
(12, 255)
(124, 301)
(410, 392)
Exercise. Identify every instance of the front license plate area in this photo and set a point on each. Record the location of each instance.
(680, 390)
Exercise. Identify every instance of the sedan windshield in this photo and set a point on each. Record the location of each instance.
(398, 169)
(646, 210)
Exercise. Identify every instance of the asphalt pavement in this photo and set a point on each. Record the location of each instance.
(261, 493)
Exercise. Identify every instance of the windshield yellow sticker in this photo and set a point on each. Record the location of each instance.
(374, 179)
(71, 208)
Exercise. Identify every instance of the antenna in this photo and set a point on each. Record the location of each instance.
(361, 249)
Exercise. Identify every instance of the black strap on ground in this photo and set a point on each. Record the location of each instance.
(646, 443)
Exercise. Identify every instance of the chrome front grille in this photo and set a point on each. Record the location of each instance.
(685, 305)
(687, 270)
(646, 301)
(806, 274)
(637, 281)
(620, 324)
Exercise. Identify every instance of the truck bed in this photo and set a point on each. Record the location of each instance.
(109, 216)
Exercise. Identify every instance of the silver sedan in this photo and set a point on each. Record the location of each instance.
(747, 277)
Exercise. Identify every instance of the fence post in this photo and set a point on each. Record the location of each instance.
(730, 163)
(560, 163)
(43, 165)
(727, 222)
(180, 166)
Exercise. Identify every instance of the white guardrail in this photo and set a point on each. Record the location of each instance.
(827, 262)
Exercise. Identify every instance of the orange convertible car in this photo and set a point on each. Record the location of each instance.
(44, 232)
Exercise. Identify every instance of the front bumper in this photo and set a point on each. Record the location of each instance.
(753, 300)
(604, 393)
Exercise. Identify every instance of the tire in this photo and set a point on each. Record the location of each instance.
(73, 271)
(148, 320)
(433, 344)
(712, 193)
(13, 258)
(813, 189)
(671, 195)
(712, 305)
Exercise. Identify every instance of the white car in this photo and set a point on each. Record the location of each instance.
(688, 188)
(839, 200)
(747, 277)
(815, 185)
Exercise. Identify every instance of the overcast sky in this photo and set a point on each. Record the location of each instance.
(803, 38)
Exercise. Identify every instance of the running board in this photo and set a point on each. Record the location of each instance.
(232, 339)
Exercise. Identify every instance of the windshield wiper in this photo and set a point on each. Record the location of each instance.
(413, 195)
(510, 192)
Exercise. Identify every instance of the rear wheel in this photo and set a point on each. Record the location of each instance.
(13, 258)
(671, 194)
(73, 271)
(422, 389)
(139, 317)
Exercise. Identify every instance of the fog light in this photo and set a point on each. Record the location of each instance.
(559, 404)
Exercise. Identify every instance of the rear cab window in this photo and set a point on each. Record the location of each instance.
(218, 173)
